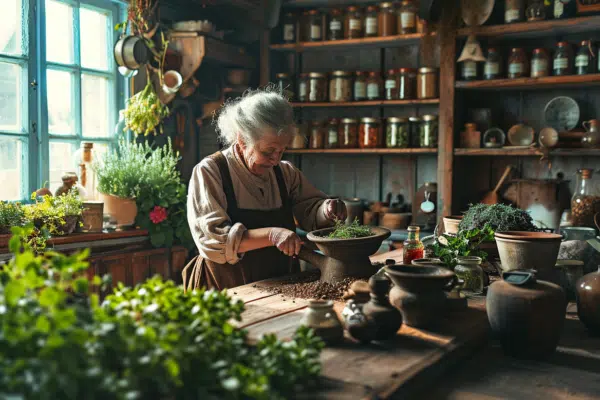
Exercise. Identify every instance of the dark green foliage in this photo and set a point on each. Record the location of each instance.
(11, 214)
(354, 230)
(447, 248)
(499, 217)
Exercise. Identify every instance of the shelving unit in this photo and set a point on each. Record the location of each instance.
(568, 81)
(371, 42)
(362, 151)
(373, 103)
(530, 152)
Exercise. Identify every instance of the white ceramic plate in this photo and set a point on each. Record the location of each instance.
(561, 113)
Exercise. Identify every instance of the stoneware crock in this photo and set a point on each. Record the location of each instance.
(527, 315)
(322, 318)
(588, 301)
(387, 319)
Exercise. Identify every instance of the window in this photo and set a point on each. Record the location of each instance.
(58, 87)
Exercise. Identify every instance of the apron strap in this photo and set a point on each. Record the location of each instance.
(283, 194)
(221, 161)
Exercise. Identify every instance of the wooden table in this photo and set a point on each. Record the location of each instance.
(399, 367)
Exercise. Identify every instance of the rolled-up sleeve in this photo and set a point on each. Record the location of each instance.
(309, 202)
(216, 237)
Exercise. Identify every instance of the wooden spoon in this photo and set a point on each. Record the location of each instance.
(492, 197)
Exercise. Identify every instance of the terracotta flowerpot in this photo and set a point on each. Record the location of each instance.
(530, 250)
(451, 224)
(122, 210)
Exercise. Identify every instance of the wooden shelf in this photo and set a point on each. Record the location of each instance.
(535, 29)
(531, 83)
(325, 3)
(207, 48)
(387, 41)
(361, 151)
(529, 152)
(373, 103)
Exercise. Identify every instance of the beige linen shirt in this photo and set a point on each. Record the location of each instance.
(216, 237)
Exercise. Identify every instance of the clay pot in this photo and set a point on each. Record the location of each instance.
(370, 218)
(434, 262)
(529, 250)
(419, 292)
(387, 319)
(123, 211)
(526, 314)
(355, 208)
(451, 224)
(392, 220)
(323, 320)
(92, 216)
(588, 301)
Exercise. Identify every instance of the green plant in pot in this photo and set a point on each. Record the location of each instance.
(60, 215)
(11, 214)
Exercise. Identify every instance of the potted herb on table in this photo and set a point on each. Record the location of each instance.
(58, 214)
(11, 214)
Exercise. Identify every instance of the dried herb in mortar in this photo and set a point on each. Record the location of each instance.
(352, 231)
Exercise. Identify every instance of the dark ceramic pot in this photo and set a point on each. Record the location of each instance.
(387, 319)
(588, 301)
(527, 315)
(419, 292)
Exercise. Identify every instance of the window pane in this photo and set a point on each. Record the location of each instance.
(11, 98)
(61, 161)
(59, 32)
(94, 33)
(11, 31)
(61, 117)
(13, 169)
(94, 98)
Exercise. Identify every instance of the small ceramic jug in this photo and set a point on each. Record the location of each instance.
(322, 318)
(591, 138)
(358, 325)
(387, 318)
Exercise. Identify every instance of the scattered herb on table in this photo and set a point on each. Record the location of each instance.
(499, 217)
(447, 247)
(352, 231)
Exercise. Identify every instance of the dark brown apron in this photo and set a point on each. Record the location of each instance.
(255, 265)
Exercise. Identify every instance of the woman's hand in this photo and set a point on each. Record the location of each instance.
(335, 209)
(285, 240)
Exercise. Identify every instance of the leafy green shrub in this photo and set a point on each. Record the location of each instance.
(154, 341)
(11, 214)
(499, 217)
(466, 243)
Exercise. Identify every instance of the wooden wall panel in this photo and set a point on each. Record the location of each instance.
(399, 177)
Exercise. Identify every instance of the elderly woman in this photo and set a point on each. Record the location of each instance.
(242, 201)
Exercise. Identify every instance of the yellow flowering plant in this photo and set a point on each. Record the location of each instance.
(145, 112)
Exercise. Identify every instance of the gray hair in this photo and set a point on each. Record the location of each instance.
(254, 113)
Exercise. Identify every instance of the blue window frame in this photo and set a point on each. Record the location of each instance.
(59, 86)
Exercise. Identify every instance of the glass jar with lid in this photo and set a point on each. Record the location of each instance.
(285, 85)
(348, 133)
(317, 135)
(407, 82)
(514, 11)
(468, 70)
(585, 202)
(427, 83)
(584, 60)
(340, 87)
(517, 63)
(331, 139)
(317, 87)
(303, 87)
(561, 62)
(468, 269)
(387, 19)
(414, 131)
(491, 68)
(371, 21)
(336, 24)
(539, 63)
(288, 24)
(390, 87)
(396, 133)
(353, 23)
(373, 86)
(300, 134)
(369, 133)
(360, 86)
(413, 247)
(316, 26)
(407, 17)
(535, 11)
(428, 132)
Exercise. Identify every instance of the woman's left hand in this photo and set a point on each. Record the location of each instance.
(335, 209)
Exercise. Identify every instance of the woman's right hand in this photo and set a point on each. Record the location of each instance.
(286, 241)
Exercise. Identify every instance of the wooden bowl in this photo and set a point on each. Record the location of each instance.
(395, 220)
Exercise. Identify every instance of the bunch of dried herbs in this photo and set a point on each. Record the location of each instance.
(499, 217)
(352, 231)
(466, 243)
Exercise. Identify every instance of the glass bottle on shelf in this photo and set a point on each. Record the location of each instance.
(316, 26)
(565, 9)
(348, 133)
(84, 158)
(289, 28)
(491, 68)
(536, 11)
(468, 269)
(354, 23)
(428, 134)
(284, 85)
(513, 11)
(331, 140)
(391, 85)
(539, 63)
(468, 70)
(316, 139)
(360, 86)
(373, 86)
(412, 247)
(336, 25)
(369, 133)
(387, 19)
(407, 82)
(517, 63)
(396, 133)
(584, 60)
(585, 202)
(407, 18)
(561, 63)
(303, 87)
(371, 19)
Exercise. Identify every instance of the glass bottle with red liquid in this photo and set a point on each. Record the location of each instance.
(413, 248)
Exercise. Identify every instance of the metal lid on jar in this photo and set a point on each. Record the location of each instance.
(414, 228)
(585, 43)
(360, 73)
(391, 71)
(335, 11)
(414, 119)
(427, 70)
(539, 51)
(373, 73)
(372, 8)
(313, 12)
(369, 120)
(429, 117)
(282, 75)
(341, 73)
(516, 50)
(562, 44)
(317, 123)
(349, 121)
(396, 120)
(316, 75)
(387, 4)
(407, 70)
(334, 121)
(492, 50)
(353, 9)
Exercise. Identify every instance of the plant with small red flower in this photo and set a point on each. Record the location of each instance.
(158, 214)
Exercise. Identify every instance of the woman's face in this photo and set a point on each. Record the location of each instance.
(264, 154)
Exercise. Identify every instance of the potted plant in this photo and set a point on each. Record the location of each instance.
(11, 214)
(58, 214)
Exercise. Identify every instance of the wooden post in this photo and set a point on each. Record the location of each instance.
(446, 124)
(265, 42)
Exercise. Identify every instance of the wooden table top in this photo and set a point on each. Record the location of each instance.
(400, 366)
